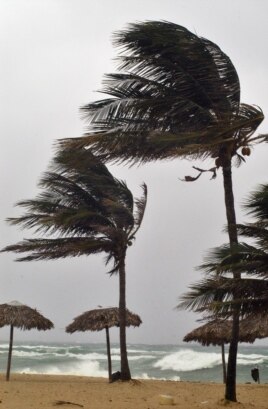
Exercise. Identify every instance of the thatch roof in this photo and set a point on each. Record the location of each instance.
(23, 317)
(217, 332)
(97, 320)
(255, 326)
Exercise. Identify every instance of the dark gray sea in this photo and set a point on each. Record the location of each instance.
(167, 362)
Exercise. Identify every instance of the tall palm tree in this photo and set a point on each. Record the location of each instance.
(176, 95)
(86, 211)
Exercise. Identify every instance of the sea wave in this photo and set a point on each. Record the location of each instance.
(145, 376)
(36, 354)
(91, 368)
(188, 360)
(92, 356)
(251, 359)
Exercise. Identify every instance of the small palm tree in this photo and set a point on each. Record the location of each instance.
(177, 96)
(219, 293)
(86, 211)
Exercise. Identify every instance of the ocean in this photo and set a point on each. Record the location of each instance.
(167, 362)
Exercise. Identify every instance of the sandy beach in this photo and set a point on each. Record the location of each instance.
(47, 392)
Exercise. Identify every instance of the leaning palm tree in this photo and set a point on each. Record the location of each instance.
(176, 95)
(86, 211)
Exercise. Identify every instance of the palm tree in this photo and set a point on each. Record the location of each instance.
(219, 294)
(176, 95)
(86, 211)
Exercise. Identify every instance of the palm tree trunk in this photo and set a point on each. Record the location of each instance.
(108, 353)
(10, 352)
(230, 389)
(125, 372)
(223, 362)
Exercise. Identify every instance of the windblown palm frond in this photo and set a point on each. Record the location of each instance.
(177, 95)
(219, 296)
(243, 258)
(257, 203)
(220, 293)
(140, 210)
(81, 202)
(51, 249)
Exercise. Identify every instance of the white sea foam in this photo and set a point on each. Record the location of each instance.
(251, 359)
(140, 357)
(91, 368)
(32, 354)
(29, 354)
(115, 351)
(188, 360)
(4, 346)
(132, 358)
(146, 376)
(136, 351)
(132, 351)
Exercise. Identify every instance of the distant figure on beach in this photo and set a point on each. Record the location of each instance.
(255, 374)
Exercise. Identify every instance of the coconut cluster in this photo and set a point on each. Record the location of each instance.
(246, 151)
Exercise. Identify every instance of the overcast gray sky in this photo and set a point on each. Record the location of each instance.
(53, 57)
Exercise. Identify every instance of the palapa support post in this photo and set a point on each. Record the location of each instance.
(10, 352)
(223, 362)
(108, 353)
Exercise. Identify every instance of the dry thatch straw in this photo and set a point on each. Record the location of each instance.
(21, 316)
(216, 332)
(99, 319)
(253, 327)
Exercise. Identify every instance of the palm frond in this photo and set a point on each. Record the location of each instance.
(257, 203)
(201, 295)
(82, 205)
(243, 258)
(52, 249)
(164, 50)
(219, 296)
(177, 95)
(140, 210)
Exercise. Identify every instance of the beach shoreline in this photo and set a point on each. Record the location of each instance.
(25, 391)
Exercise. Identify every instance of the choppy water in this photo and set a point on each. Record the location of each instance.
(170, 362)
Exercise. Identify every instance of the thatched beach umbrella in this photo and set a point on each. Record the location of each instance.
(21, 316)
(218, 332)
(99, 319)
(254, 327)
